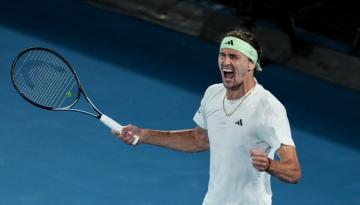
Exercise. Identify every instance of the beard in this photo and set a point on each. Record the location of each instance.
(233, 87)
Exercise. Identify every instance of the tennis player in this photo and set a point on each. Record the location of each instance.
(242, 124)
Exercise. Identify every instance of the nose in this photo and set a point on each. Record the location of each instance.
(225, 60)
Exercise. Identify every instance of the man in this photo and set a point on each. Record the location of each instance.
(242, 124)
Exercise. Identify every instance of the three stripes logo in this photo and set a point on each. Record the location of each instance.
(239, 122)
(230, 43)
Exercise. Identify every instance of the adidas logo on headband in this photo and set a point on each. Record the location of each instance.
(230, 43)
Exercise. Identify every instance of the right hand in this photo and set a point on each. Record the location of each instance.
(259, 159)
(127, 134)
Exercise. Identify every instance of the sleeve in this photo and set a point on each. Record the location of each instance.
(200, 115)
(275, 127)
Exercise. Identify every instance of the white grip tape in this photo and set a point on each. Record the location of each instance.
(111, 123)
(116, 126)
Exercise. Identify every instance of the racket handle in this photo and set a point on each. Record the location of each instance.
(116, 126)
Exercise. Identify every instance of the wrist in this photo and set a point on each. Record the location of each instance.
(138, 138)
(269, 164)
(143, 135)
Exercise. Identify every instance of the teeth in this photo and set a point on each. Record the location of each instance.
(227, 70)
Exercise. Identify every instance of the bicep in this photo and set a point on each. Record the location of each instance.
(288, 169)
(287, 155)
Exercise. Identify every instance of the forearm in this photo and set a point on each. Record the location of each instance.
(180, 140)
(285, 171)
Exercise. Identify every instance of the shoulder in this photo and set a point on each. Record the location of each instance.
(213, 90)
(268, 101)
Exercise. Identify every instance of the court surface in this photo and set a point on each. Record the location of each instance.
(152, 77)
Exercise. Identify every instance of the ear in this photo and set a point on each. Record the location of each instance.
(251, 66)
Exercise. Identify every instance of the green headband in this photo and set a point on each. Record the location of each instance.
(243, 47)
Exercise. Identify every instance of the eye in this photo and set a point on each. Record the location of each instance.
(233, 57)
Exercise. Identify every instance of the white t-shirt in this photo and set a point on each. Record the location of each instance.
(260, 122)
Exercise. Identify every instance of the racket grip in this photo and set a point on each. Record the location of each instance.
(116, 126)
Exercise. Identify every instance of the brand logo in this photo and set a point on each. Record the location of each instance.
(68, 94)
(239, 122)
(230, 43)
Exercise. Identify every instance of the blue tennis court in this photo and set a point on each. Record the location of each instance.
(146, 75)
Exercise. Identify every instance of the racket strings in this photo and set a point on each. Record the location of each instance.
(45, 79)
(41, 69)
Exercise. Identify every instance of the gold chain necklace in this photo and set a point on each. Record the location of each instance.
(243, 99)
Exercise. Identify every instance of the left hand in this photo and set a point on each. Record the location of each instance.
(259, 159)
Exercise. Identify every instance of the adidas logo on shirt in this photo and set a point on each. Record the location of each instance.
(239, 122)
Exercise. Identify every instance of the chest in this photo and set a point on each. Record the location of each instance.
(236, 130)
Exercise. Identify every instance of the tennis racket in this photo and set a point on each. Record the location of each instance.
(45, 79)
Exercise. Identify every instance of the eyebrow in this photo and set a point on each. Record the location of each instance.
(230, 54)
(233, 55)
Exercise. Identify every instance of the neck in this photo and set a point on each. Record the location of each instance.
(246, 86)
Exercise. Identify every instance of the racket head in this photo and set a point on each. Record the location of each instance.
(45, 79)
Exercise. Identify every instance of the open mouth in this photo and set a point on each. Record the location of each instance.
(228, 73)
